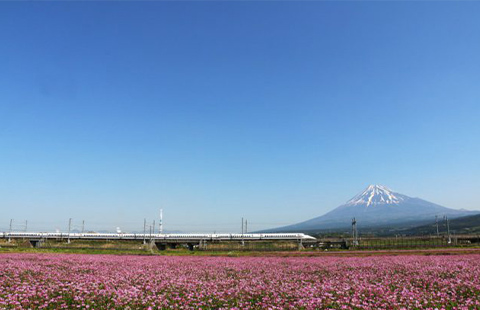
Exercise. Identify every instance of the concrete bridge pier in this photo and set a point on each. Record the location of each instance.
(202, 245)
(300, 245)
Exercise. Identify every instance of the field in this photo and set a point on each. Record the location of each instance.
(56, 281)
(124, 246)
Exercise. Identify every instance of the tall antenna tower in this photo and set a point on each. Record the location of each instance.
(160, 223)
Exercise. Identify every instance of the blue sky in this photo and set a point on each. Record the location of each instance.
(273, 111)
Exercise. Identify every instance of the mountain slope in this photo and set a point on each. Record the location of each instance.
(377, 205)
(462, 225)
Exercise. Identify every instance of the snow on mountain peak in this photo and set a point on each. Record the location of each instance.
(376, 195)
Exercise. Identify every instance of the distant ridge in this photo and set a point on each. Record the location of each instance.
(377, 205)
(462, 225)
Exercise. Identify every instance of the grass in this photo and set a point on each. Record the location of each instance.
(303, 253)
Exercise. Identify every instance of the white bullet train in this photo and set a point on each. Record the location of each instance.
(158, 237)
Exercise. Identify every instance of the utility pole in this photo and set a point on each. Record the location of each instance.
(243, 241)
(246, 226)
(26, 225)
(153, 227)
(160, 224)
(436, 224)
(448, 229)
(69, 228)
(10, 231)
(354, 232)
(83, 226)
(144, 230)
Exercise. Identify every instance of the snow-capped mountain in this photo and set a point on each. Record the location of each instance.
(376, 195)
(378, 205)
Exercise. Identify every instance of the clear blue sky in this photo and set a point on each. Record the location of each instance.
(274, 111)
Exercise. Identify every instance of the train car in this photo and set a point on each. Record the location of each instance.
(168, 237)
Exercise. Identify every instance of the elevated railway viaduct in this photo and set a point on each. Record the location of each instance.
(162, 241)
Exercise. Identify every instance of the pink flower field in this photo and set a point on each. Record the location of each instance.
(48, 281)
